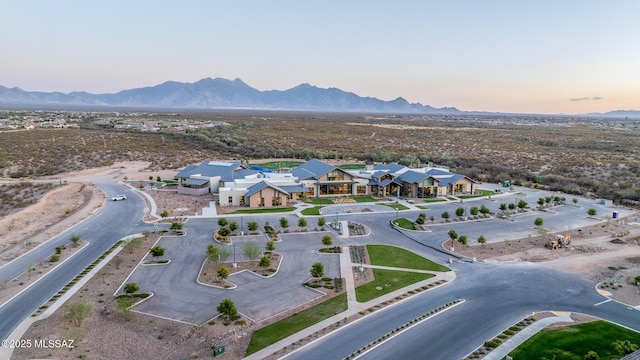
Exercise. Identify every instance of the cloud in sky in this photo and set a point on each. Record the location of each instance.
(586, 98)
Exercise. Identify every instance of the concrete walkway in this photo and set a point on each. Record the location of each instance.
(516, 340)
(353, 306)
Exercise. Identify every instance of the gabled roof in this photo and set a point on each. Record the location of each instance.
(312, 169)
(391, 167)
(262, 185)
(378, 174)
(412, 177)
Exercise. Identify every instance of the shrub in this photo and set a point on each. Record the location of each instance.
(265, 261)
(302, 222)
(54, 258)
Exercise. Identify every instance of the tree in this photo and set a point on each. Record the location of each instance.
(228, 309)
(251, 251)
(453, 234)
(462, 239)
(164, 214)
(158, 178)
(445, 215)
(224, 231)
(482, 240)
(302, 222)
(150, 177)
(233, 226)
(130, 288)
(512, 206)
(592, 211)
(156, 251)
(321, 221)
(265, 261)
(271, 245)
(252, 225)
(575, 200)
(460, 211)
(503, 207)
(217, 254)
(592, 355)
(538, 222)
(176, 225)
(77, 312)
(484, 210)
(327, 240)
(522, 204)
(474, 210)
(317, 270)
(284, 223)
(75, 240)
(223, 221)
(222, 273)
(541, 201)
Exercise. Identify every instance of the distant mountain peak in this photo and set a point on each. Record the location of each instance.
(221, 93)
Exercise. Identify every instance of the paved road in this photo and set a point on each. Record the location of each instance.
(114, 221)
(508, 293)
(497, 295)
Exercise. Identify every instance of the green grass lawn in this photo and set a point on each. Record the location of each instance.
(422, 207)
(482, 193)
(394, 256)
(312, 210)
(265, 210)
(352, 166)
(275, 164)
(394, 205)
(364, 199)
(573, 342)
(433, 200)
(296, 322)
(405, 223)
(388, 280)
(319, 201)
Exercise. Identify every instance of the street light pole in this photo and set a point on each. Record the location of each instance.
(234, 255)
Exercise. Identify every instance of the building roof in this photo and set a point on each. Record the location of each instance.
(242, 173)
(294, 188)
(225, 170)
(195, 182)
(312, 169)
(263, 185)
(412, 177)
(391, 167)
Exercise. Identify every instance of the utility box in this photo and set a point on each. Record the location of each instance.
(218, 350)
(506, 183)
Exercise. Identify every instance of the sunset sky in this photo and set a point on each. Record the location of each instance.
(511, 56)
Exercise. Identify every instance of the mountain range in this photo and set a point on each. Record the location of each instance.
(219, 93)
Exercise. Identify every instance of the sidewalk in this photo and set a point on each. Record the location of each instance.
(516, 340)
(353, 306)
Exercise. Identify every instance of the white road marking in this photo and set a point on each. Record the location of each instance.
(602, 302)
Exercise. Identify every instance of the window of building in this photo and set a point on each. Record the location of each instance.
(276, 201)
(230, 200)
(361, 189)
(335, 174)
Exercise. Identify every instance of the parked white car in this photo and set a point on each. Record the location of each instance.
(119, 197)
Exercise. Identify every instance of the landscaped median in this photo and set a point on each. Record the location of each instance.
(286, 327)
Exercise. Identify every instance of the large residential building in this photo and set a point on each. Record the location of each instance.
(238, 185)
